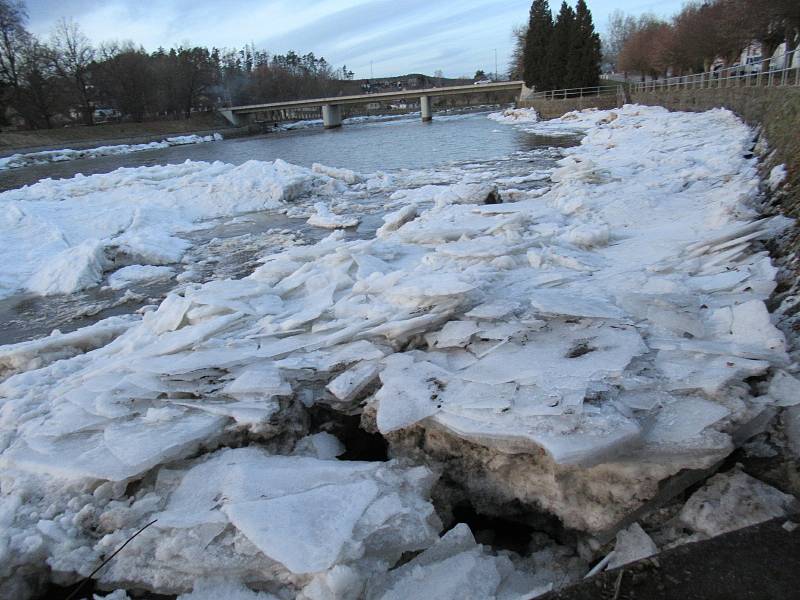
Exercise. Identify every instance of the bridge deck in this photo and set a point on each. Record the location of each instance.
(504, 86)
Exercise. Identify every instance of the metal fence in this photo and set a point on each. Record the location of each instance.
(781, 70)
(587, 92)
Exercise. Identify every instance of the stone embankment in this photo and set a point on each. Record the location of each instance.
(552, 109)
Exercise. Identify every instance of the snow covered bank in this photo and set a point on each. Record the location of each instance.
(515, 116)
(16, 161)
(61, 236)
(563, 353)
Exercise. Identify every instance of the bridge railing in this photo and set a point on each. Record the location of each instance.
(600, 90)
(781, 70)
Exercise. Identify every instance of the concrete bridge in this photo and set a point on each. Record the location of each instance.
(332, 107)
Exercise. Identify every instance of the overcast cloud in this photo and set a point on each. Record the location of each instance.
(390, 36)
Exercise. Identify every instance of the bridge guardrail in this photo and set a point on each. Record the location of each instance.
(600, 90)
(776, 71)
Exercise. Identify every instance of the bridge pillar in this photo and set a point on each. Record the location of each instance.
(331, 115)
(230, 116)
(425, 108)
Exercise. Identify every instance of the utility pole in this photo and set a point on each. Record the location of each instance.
(371, 74)
(495, 64)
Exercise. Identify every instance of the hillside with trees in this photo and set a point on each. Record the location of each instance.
(45, 82)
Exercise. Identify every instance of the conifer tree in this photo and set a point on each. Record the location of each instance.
(585, 55)
(537, 43)
(560, 47)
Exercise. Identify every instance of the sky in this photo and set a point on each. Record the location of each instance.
(377, 38)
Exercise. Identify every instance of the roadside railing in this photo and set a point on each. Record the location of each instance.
(600, 90)
(781, 70)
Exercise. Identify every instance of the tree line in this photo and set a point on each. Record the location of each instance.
(46, 82)
(698, 35)
(564, 52)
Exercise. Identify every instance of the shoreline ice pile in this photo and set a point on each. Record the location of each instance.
(61, 236)
(515, 116)
(565, 352)
(16, 161)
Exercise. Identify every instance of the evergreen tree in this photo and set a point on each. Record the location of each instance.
(560, 47)
(585, 55)
(537, 42)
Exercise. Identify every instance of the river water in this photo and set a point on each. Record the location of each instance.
(452, 145)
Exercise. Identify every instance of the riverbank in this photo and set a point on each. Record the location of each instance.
(81, 137)
(106, 134)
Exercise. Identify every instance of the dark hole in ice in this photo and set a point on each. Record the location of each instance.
(58, 592)
(493, 198)
(579, 349)
(359, 444)
(497, 532)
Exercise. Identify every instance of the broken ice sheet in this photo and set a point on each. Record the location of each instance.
(632, 544)
(539, 399)
(575, 304)
(121, 450)
(455, 568)
(584, 440)
(733, 500)
(305, 513)
(505, 398)
(546, 359)
(493, 310)
(455, 334)
(694, 371)
(784, 389)
(683, 419)
(348, 385)
(323, 217)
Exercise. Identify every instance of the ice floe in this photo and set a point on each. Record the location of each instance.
(287, 517)
(134, 274)
(61, 236)
(323, 217)
(515, 115)
(565, 353)
(734, 500)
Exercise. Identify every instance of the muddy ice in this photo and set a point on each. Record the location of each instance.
(544, 348)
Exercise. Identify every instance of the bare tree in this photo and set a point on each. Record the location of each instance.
(73, 55)
(41, 96)
(13, 38)
(620, 28)
(645, 48)
(516, 66)
(125, 79)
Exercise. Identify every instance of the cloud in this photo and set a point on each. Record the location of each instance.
(395, 36)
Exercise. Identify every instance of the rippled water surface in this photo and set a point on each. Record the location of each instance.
(405, 143)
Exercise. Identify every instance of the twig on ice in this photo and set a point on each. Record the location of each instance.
(106, 561)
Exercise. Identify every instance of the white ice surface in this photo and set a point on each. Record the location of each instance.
(632, 544)
(515, 115)
(455, 568)
(323, 217)
(596, 322)
(291, 516)
(59, 236)
(39, 158)
(134, 274)
(731, 501)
